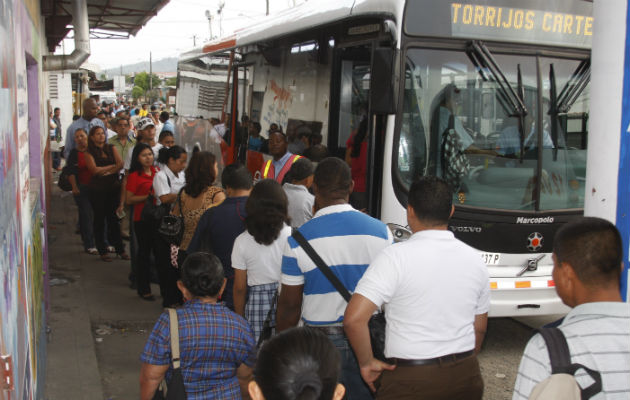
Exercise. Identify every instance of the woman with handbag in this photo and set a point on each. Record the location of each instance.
(139, 184)
(198, 195)
(79, 179)
(257, 253)
(104, 163)
(216, 348)
(168, 182)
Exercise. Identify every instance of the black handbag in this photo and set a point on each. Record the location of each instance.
(173, 389)
(171, 227)
(64, 181)
(151, 212)
(376, 324)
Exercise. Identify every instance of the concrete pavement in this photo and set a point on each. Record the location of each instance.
(98, 325)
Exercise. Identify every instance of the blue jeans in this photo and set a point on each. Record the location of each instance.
(356, 389)
(86, 217)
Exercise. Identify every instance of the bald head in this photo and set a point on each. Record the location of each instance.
(90, 108)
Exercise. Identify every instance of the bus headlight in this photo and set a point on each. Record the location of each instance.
(399, 232)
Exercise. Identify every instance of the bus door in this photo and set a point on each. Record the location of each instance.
(350, 122)
(238, 107)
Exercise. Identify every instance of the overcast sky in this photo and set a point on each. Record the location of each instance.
(171, 31)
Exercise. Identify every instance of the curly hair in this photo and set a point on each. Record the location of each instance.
(267, 211)
(200, 173)
(202, 274)
(300, 363)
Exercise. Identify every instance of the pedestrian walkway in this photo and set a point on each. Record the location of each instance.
(97, 324)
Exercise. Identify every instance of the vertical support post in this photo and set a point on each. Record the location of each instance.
(608, 163)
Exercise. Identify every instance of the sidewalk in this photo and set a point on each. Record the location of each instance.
(98, 325)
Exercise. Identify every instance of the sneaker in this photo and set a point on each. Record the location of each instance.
(92, 250)
(111, 249)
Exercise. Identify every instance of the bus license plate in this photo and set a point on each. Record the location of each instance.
(491, 258)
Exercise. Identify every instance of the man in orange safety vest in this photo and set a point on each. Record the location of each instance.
(282, 160)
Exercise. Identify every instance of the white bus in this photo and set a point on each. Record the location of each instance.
(486, 75)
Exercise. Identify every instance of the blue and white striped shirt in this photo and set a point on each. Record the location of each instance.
(347, 240)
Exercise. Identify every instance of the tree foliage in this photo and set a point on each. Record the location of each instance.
(137, 92)
(142, 80)
(171, 81)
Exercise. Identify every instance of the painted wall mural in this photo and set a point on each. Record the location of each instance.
(22, 240)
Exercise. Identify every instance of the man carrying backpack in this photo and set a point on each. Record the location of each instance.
(587, 258)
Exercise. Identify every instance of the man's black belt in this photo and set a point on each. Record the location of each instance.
(329, 329)
(450, 358)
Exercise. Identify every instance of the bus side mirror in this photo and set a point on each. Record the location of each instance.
(384, 81)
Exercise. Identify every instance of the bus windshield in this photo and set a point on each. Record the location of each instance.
(457, 124)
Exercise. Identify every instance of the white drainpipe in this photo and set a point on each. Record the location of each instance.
(81, 42)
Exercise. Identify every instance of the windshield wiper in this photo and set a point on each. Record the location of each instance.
(561, 104)
(511, 101)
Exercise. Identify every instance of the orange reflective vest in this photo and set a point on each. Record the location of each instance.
(268, 170)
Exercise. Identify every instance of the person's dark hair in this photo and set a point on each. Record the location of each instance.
(236, 176)
(202, 274)
(137, 149)
(200, 173)
(301, 169)
(164, 115)
(153, 107)
(75, 117)
(316, 138)
(333, 178)
(56, 108)
(163, 134)
(257, 127)
(359, 137)
(278, 132)
(431, 199)
(593, 248)
(99, 153)
(299, 363)
(267, 211)
(102, 112)
(173, 152)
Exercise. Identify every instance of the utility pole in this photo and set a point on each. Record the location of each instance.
(194, 38)
(220, 12)
(150, 77)
(209, 16)
(267, 8)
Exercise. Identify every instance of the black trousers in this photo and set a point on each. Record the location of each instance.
(167, 274)
(144, 232)
(104, 204)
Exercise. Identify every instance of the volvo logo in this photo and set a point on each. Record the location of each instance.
(535, 241)
(470, 229)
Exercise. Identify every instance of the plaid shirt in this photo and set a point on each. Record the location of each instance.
(213, 343)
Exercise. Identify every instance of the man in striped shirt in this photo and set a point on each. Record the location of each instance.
(347, 241)
(587, 257)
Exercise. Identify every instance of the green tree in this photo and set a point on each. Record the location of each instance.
(128, 79)
(103, 77)
(142, 80)
(171, 81)
(137, 92)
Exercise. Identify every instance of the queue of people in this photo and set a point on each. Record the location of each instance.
(242, 281)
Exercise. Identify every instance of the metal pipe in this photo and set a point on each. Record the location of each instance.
(81, 51)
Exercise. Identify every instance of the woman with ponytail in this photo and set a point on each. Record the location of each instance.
(257, 253)
(217, 349)
(297, 364)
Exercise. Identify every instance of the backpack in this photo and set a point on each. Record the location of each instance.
(562, 384)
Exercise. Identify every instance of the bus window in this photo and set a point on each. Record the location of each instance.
(564, 159)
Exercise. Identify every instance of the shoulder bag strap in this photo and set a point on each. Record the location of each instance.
(560, 360)
(559, 355)
(310, 251)
(174, 337)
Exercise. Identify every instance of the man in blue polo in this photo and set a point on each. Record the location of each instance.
(88, 120)
(347, 240)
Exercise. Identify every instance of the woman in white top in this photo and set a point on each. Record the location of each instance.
(166, 185)
(257, 253)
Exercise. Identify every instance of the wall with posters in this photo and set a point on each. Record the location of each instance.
(23, 247)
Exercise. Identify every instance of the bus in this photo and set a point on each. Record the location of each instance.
(491, 95)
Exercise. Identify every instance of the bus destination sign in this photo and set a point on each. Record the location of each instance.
(481, 21)
(543, 22)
